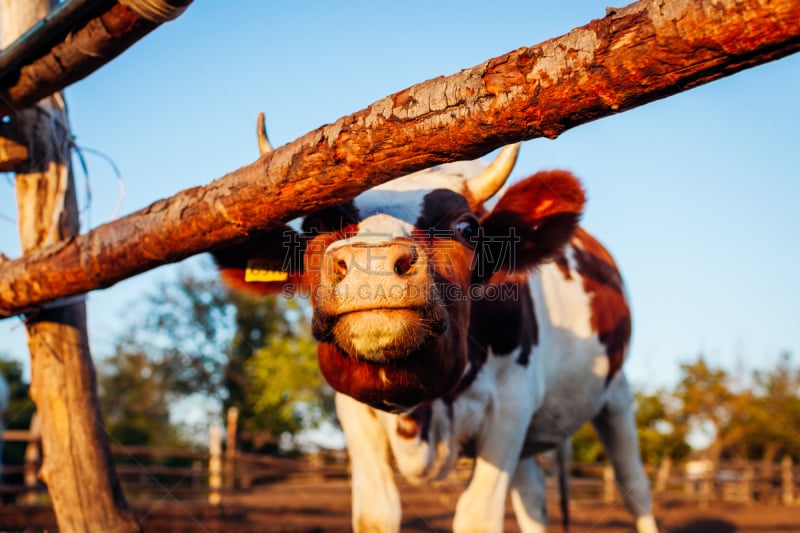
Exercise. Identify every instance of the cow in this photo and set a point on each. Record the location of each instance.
(446, 324)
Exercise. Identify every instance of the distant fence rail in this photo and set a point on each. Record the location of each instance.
(148, 472)
(701, 482)
(186, 474)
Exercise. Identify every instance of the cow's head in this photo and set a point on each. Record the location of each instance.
(392, 274)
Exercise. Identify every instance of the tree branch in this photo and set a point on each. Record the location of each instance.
(646, 51)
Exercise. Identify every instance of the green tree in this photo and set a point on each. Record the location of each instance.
(173, 351)
(287, 392)
(20, 410)
(136, 393)
(258, 322)
(187, 327)
(750, 420)
(776, 431)
(586, 445)
(255, 354)
(765, 417)
(705, 400)
(272, 374)
(658, 436)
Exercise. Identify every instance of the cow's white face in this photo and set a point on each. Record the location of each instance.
(391, 274)
(390, 304)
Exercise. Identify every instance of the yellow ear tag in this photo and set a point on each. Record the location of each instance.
(256, 271)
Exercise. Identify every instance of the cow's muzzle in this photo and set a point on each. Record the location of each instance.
(377, 302)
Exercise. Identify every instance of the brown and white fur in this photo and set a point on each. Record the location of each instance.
(442, 324)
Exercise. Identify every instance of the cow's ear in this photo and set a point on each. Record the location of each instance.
(533, 220)
(266, 263)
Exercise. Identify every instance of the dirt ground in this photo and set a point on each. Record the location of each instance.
(312, 507)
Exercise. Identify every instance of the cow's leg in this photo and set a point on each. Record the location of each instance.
(529, 496)
(616, 426)
(376, 502)
(482, 505)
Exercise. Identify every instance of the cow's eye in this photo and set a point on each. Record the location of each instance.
(467, 229)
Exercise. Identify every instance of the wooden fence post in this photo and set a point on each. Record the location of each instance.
(749, 484)
(77, 464)
(662, 476)
(707, 487)
(214, 464)
(609, 484)
(197, 474)
(32, 459)
(699, 481)
(787, 481)
(230, 447)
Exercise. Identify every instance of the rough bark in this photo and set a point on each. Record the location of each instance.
(77, 466)
(648, 50)
(98, 40)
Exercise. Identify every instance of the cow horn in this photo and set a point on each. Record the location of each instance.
(264, 147)
(484, 185)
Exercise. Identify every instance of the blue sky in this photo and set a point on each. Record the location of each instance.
(696, 195)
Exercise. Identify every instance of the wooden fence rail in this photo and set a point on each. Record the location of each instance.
(609, 65)
(701, 482)
(192, 474)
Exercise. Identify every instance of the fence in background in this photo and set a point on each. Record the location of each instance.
(219, 472)
(700, 482)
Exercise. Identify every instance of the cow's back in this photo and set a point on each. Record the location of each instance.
(584, 327)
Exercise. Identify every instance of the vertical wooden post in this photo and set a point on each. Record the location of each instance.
(32, 458)
(214, 464)
(787, 481)
(230, 447)
(77, 465)
(689, 484)
(748, 484)
(707, 485)
(197, 475)
(662, 476)
(609, 484)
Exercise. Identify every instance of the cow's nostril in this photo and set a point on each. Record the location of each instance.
(405, 262)
(340, 267)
